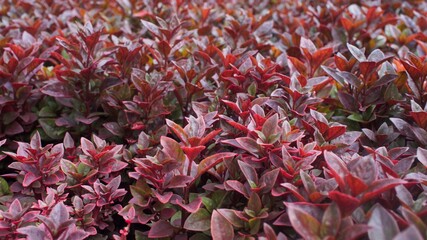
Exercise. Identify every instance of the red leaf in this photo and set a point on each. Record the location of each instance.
(411, 233)
(357, 186)
(337, 167)
(356, 52)
(380, 186)
(420, 118)
(17, 50)
(209, 136)
(238, 126)
(114, 128)
(346, 202)
(334, 132)
(193, 152)
(331, 220)
(33, 232)
(164, 48)
(294, 191)
(367, 67)
(151, 27)
(299, 66)
(211, 161)
(319, 57)
(36, 62)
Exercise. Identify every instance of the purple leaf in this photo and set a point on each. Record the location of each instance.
(236, 186)
(59, 214)
(172, 148)
(269, 179)
(411, 233)
(248, 144)
(249, 173)
(15, 209)
(422, 156)
(57, 89)
(221, 229)
(352, 232)
(87, 146)
(33, 233)
(191, 207)
(178, 130)
(161, 229)
(383, 226)
(29, 179)
(13, 129)
(178, 181)
(306, 225)
(114, 128)
(231, 216)
(359, 55)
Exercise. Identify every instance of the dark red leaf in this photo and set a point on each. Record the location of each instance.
(346, 203)
(380, 186)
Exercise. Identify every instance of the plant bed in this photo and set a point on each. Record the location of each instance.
(213, 120)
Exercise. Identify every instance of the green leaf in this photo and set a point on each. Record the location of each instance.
(4, 187)
(208, 203)
(198, 221)
(46, 112)
(255, 203)
(252, 89)
(50, 128)
(357, 117)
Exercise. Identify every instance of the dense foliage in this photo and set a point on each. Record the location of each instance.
(213, 119)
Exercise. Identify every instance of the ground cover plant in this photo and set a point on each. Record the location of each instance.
(213, 119)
